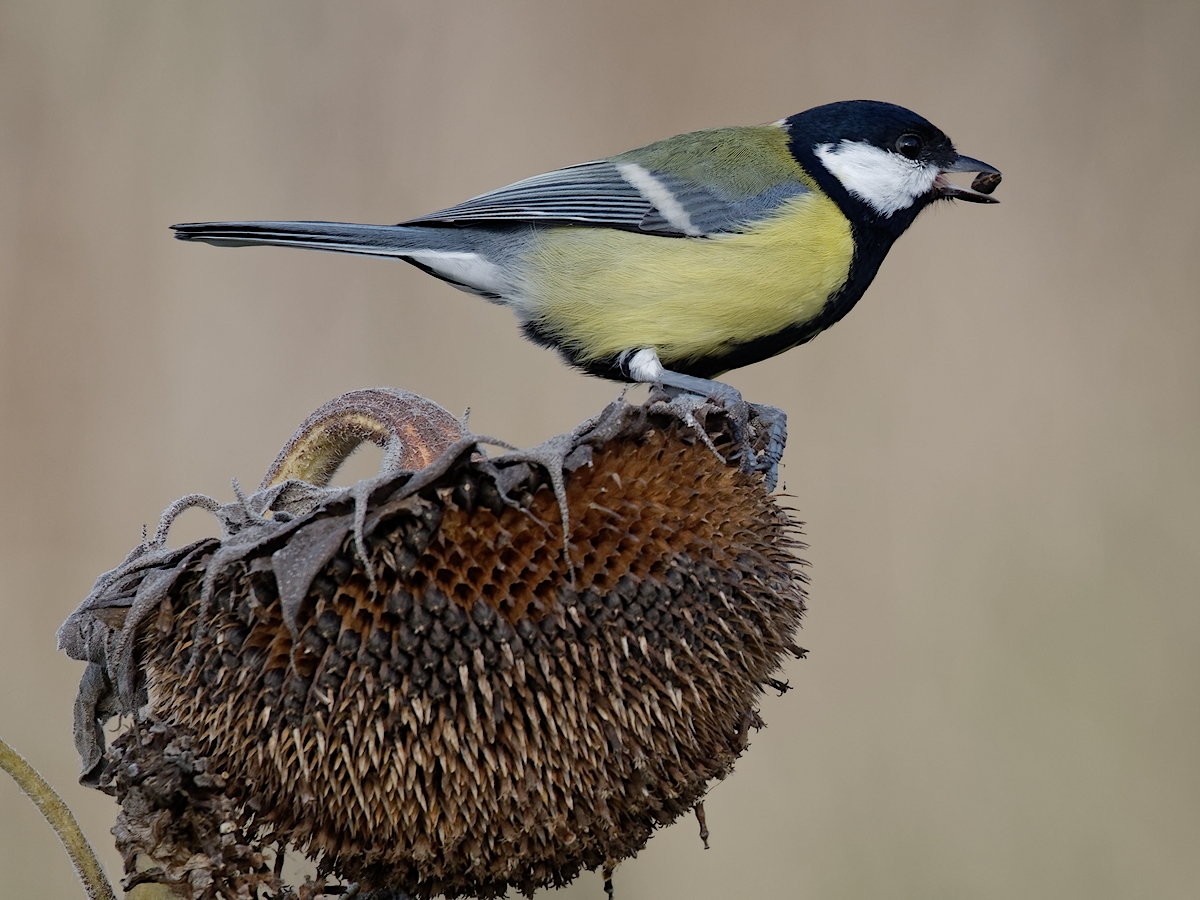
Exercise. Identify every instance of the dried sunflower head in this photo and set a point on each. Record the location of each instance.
(481, 675)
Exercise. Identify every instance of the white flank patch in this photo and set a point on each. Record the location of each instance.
(644, 366)
(658, 194)
(886, 181)
(470, 269)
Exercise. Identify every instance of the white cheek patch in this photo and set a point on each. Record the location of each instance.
(470, 269)
(886, 181)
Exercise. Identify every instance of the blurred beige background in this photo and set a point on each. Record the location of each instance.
(996, 453)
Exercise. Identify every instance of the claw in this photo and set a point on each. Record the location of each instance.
(739, 420)
(768, 462)
(745, 419)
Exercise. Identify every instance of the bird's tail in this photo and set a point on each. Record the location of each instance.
(461, 256)
(370, 240)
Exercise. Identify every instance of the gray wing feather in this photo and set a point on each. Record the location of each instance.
(597, 194)
(711, 213)
(591, 193)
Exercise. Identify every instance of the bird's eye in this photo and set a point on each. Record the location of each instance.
(909, 145)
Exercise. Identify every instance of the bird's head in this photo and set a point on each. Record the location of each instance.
(883, 161)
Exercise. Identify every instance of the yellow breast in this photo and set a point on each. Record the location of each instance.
(602, 291)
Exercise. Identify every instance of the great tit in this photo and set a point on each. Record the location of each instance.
(683, 259)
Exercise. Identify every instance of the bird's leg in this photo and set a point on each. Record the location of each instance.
(644, 366)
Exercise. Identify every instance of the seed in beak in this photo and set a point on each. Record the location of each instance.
(986, 182)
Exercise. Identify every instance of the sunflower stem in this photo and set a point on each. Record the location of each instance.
(59, 816)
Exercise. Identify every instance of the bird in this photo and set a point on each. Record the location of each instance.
(684, 259)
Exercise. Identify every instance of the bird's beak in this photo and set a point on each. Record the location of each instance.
(985, 182)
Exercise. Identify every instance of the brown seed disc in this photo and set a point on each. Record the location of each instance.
(479, 720)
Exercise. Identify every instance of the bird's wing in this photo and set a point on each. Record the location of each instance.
(704, 183)
(592, 193)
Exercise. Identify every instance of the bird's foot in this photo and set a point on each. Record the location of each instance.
(644, 365)
(775, 421)
(744, 418)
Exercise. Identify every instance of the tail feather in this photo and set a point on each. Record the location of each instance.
(371, 240)
(465, 257)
